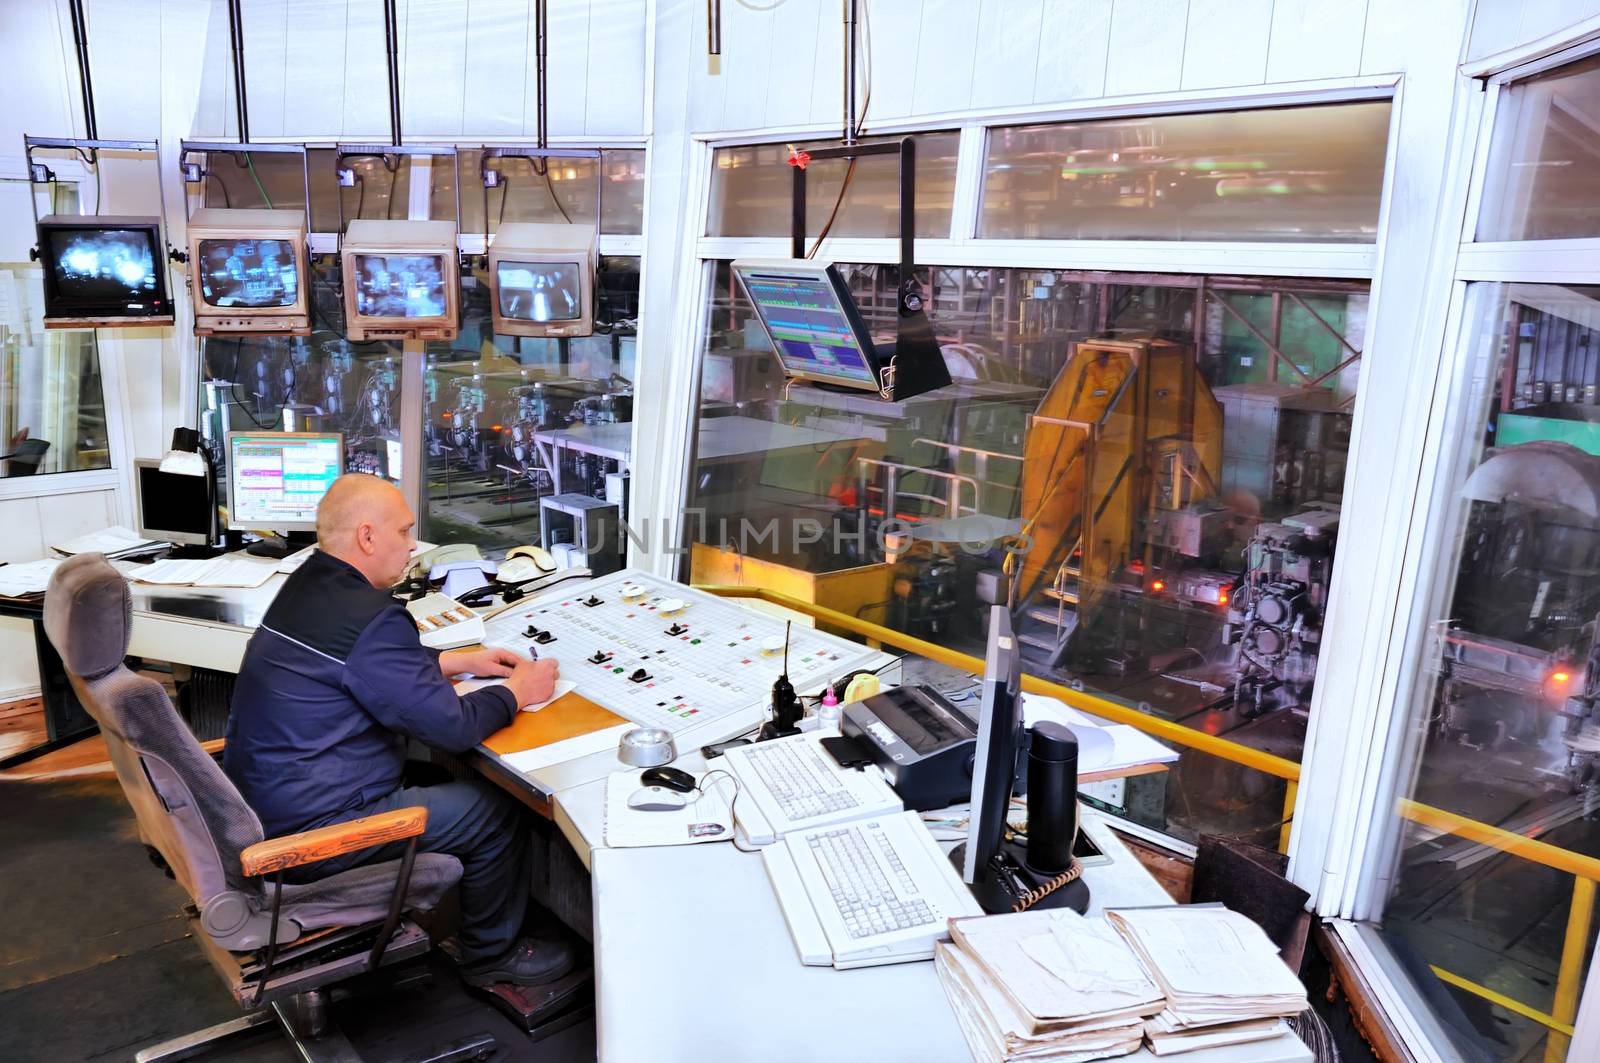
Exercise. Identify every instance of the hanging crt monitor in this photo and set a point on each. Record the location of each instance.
(103, 272)
(541, 279)
(401, 280)
(248, 272)
(812, 320)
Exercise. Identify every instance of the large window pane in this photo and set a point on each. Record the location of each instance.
(1504, 728)
(512, 421)
(52, 407)
(1180, 561)
(752, 191)
(318, 383)
(1300, 173)
(564, 192)
(1543, 179)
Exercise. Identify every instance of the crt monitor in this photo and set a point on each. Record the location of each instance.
(812, 320)
(248, 269)
(103, 271)
(402, 280)
(541, 279)
(175, 507)
(277, 479)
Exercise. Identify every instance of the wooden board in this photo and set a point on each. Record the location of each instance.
(566, 717)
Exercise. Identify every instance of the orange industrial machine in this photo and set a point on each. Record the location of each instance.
(1128, 431)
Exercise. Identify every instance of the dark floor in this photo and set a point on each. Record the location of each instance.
(96, 961)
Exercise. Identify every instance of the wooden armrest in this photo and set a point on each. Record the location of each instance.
(308, 847)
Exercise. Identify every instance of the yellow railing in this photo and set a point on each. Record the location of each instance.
(1584, 869)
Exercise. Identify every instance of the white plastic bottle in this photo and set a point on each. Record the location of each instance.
(828, 711)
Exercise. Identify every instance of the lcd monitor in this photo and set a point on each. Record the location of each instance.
(277, 479)
(812, 320)
(175, 507)
(541, 279)
(103, 272)
(248, 268)
(401, 280)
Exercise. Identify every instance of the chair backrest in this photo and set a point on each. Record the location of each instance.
(186, 807)
(29, 455)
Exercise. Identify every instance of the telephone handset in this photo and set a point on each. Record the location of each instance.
(423, 563)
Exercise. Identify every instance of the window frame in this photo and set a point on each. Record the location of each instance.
(1351, 844)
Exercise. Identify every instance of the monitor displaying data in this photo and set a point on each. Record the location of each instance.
(400, 286)
(540, 291)
(102, 266)
(814, 329)
(276, 479)
(248, 274)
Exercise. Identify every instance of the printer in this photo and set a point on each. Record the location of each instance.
(922, 742)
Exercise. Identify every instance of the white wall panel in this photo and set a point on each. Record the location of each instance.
(827, 69)
(124, 58)
(497, 60)
(267, 65)
(1074, 41)
(1226, 43)
(1146, 51)
(313, 72)
(1315, 39)
(613, 102)
(1008, 47)
(706, 84)
(40, 76)
(213, 116)
(746, 49)
(362, 114)
(63, 517)
(568, 70)
(24, 539)
(19, 663)
(896, 36)
(433, 40)
(946, 52)
(798, 31)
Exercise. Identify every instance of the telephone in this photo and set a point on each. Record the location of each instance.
(524, 563)
(423, 563)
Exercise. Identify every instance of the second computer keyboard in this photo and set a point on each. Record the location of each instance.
(792, 783)
(867, 892)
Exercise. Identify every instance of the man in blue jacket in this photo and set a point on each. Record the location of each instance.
(333, 684)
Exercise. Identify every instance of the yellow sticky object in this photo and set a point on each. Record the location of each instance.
(862, 686)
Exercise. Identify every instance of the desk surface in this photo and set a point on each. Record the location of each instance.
(694, 961)
(719, 438)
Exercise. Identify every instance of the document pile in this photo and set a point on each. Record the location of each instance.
(115, 541)
(1221, 975)
(1046, 986)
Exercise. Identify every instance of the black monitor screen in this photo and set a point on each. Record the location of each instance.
(809, 326)
(400, 286)
(174, 502)
(248, 274)
(540, 291)
(102, 267)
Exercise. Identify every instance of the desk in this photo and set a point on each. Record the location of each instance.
(719, 439)
(205, 627)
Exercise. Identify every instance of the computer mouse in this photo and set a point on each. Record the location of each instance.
(675, 779)
(656, 799)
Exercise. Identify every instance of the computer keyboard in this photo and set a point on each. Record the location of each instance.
(871, 891)
(868, 901)
(791, 783)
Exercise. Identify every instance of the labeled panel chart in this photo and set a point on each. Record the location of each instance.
(666, 655)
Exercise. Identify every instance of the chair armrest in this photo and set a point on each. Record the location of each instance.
(308, 847)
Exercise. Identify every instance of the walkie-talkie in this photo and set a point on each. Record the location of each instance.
(786, 711)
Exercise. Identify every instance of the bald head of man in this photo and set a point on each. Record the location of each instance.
(364, 521)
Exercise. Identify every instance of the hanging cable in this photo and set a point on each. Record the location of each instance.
(236, 41)
(80, 44)
(391, 40)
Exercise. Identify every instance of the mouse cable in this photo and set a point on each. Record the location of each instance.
(733, 805)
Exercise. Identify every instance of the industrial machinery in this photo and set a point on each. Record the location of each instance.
(1520, 657)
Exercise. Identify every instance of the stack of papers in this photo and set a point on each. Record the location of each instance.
(115, 541)
(1221, 975)
(708, 816)
(1102, 746)
(28, 577)
(1045, 985)
(296, 559)
(216, 572)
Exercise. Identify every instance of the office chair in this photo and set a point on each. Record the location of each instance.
(279, 949)
(27, 458)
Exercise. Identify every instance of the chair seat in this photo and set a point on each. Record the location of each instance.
(362, 894)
